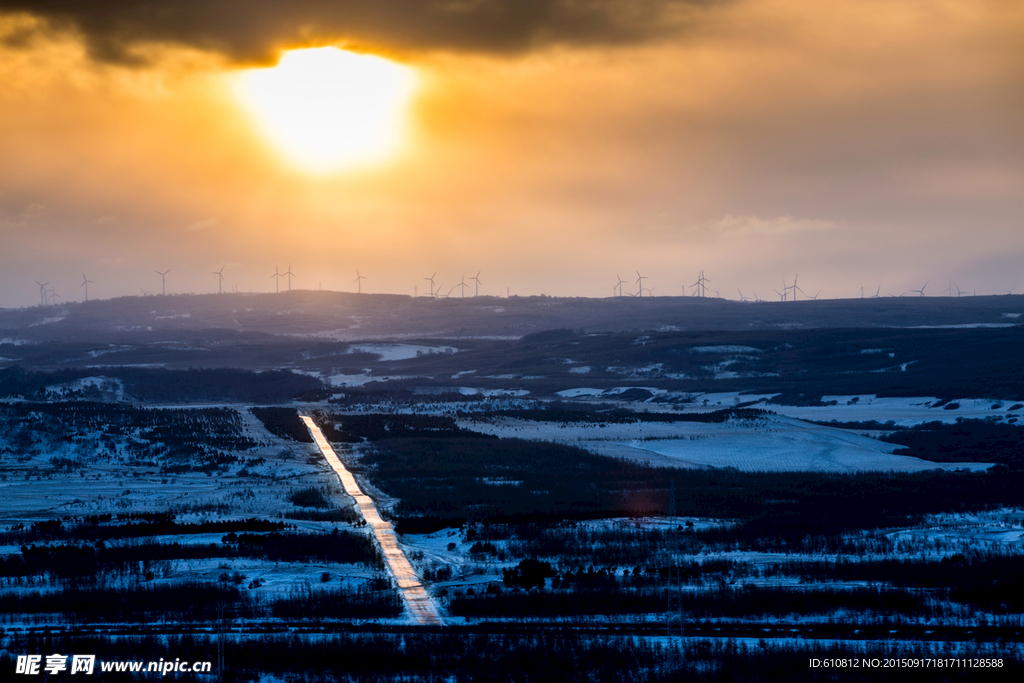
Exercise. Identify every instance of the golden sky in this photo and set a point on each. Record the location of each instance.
(552, 145)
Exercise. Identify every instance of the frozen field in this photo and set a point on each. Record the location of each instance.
(901, 411)
(392, 352)
(904, 412)
(770, 444)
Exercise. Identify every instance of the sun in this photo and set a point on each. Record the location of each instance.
(326, 109)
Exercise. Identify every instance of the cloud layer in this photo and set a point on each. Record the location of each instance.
(253, 30)
(856, 142)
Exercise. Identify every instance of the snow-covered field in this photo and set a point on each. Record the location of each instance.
(904, 412)
(770, 444)
(901, 411)
(392, 352)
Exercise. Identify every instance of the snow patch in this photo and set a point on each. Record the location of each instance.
(393, 352)
(47, 321)
(725, 349)
(766, 444)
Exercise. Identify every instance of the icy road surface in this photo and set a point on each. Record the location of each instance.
(416, 597)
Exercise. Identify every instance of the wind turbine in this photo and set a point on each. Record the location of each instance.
(783, 293)
(919, 291)
(163, 281)
(290, 275)
(220, 279)
(619, 284)
(959, 292)
(640, 281)
(878, 293)
(359, 280)
(742, 298)
(42, 292)
(431, 278)
(277, 281)
(85, 283)
(463, 285)
(476, 277)
(144, 292)
(701, 285)
(793, 287)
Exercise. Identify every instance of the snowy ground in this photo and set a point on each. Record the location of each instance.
(901, 411)
(904, 412)
(392, 352)
(102, 486)
(771, 444)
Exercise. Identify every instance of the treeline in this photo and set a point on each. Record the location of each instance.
(84, 561)
(378, 426)
(448, 479)
(192, 601)
(338, 546)
(563, 655)
(175, 429)
(448, 482)
(376, 602)
(160, 384)
(558, 412)
(396, 395)
(283, 422)
(136, 525)
(171, 440)
(747, 602)
(185, 601)
(964, 441)
(990, 581)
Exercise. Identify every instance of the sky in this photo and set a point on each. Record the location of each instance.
(553, 146)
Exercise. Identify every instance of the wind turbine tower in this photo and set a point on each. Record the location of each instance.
(42, 292)
(431, 279)
(619, 284)
(85, 283)
(163, 281)
(277, 280)
(793, 288)
(640, 283)
(290, 275)
(476, 277)
(220, 279)
(701, 285)
(359, 281)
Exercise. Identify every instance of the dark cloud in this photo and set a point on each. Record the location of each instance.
(251, 30)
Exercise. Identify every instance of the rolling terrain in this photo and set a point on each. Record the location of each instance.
(768, 482)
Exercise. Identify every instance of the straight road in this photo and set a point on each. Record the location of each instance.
(422, 606)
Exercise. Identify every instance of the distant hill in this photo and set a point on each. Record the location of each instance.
(352, 317)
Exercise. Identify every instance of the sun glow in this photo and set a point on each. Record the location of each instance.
(327, 109)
